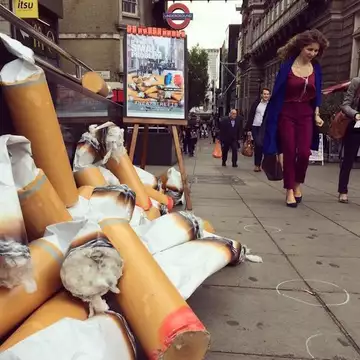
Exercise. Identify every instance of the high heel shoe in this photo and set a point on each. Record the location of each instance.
(298, 199)
(290, 199)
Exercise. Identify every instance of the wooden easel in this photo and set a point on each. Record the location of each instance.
(171, 124)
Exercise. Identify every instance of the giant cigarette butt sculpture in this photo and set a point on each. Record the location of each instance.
(61, 325)
(90, 176)
(41, 206)
(60, 306)
(160, 197)
(162, 321)
(95, 83)
(119, 163)
(32, 111)
(47, 254)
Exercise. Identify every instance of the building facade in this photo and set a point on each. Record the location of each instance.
(213, 72)
(94, 31)
(268, 24)
(228, 68)
(50, 11)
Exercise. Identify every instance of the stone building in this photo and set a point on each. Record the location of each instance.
(213, 72)
(93, 31)
(268, 24)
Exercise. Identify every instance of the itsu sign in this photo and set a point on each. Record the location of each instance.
(26, 9)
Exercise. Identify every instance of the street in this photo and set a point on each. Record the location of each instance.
(303, 301)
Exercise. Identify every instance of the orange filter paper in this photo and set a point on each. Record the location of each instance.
(95, 83)
(46, 260)
(41, 206)
(208, 227)
(123, 169)
(153, 213)
(90, 176)
(47, 255)
(33, 114)
(165, 325)
(60, 306)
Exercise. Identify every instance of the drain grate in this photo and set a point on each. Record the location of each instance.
(221, 180)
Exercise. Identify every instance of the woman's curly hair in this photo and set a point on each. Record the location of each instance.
(294, 46)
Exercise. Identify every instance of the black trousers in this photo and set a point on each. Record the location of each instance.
(191, 146)
(351, 144)
(226, 146)
(185, 145)
(258, 150)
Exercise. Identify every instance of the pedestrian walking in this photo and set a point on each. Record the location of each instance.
(253, 125)
(229, 137)
(193, 141)
(213, 134)
(292, 115)
(351, 140)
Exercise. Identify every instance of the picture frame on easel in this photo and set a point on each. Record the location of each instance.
(155, 87)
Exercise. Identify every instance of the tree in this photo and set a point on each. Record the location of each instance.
(198, 77)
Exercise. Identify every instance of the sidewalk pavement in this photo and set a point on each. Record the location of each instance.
(303, 301)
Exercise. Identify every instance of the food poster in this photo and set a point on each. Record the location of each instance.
(155, 77)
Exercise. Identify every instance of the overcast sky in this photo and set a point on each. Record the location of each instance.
(210, 21)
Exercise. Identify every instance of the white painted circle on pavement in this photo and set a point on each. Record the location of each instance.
(285, 293)
(343, 351)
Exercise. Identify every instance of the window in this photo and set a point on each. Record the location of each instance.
(129, 6)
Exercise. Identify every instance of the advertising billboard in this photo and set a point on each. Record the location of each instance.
(155, 76)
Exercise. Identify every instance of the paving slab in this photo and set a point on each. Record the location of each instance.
(321, 245)
(304, 226)
(259, 244)
(241, 211)
(233, 202)
(281, 212)
(339, 271)
(260, 322)
(348, 315)
(223, 356)
(353, 226)
(274, 270)
(213, 191)
(237, 224)
(267, 311)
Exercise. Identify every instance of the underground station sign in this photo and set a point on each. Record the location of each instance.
(185, 16)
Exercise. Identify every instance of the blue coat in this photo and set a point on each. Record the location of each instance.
(270, 142)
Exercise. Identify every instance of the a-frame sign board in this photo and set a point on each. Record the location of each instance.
(155, 87)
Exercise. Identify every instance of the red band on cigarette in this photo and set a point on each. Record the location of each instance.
(182, 320)
(170, 203)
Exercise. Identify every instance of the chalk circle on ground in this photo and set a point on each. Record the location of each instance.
(331, 343)
(269, 228)
(289, 294)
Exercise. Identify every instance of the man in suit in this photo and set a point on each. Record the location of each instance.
(253, 125)
(229, 137)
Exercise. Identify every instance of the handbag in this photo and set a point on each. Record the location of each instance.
(272, 167)
(248, 148)
(338, 125)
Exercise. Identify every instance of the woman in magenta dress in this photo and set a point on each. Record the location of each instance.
(292, 116)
